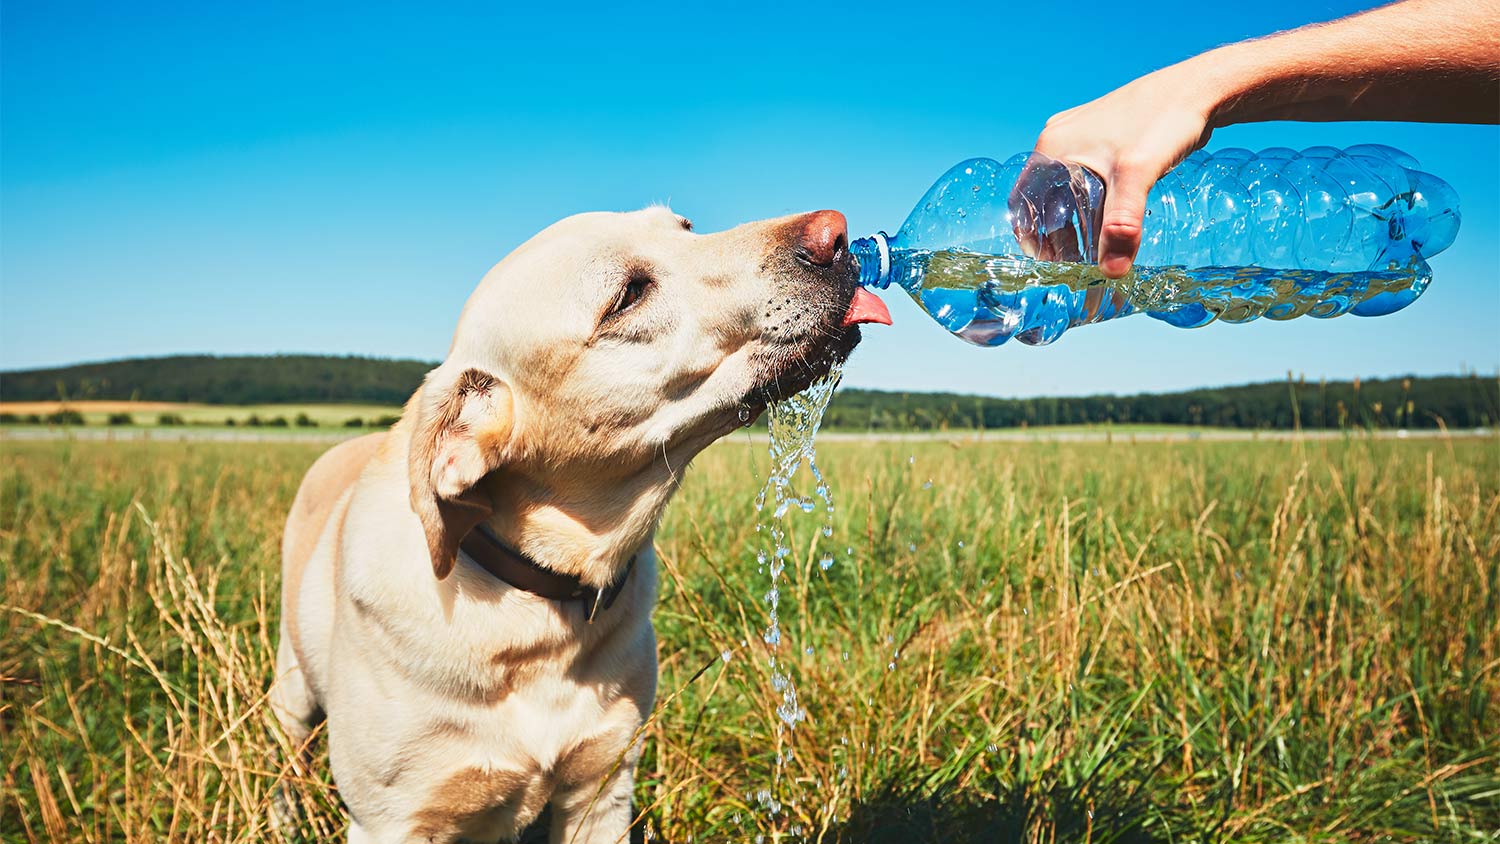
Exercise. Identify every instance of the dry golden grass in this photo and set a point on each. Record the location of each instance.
(1188, 642)
(21, 408)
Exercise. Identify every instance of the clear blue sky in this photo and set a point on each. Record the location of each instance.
(263, 177)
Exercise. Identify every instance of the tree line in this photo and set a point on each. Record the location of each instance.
(1461, 401)
(1468, 401)
(250, 379)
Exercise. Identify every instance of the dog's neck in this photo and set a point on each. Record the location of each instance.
(586, 530)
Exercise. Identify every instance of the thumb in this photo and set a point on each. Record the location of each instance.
(1124, 214)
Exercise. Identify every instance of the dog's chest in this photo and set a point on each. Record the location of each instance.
(495, 776)
(488, 709)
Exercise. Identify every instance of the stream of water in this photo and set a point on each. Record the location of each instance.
(793, 424)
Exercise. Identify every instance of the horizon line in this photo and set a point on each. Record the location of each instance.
(1301, 377)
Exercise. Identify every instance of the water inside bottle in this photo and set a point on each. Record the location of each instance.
(988, 299)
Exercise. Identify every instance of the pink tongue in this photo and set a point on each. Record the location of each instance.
(866, 307)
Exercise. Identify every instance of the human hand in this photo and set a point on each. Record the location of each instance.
(1445, 71)
(1130, 137)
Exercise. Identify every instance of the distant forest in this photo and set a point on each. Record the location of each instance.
(1414, 402)
(258, 379)
(1454, 401)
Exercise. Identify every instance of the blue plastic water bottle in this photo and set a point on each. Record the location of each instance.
(995, 251)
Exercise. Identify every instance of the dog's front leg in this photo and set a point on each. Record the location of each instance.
(596, 813)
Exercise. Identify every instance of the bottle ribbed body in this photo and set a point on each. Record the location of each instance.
(996, 250)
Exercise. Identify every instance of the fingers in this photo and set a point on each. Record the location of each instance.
(1124, 213)
(1129, 137)
(1042, 210)
(1026, 218)
(1062, 245)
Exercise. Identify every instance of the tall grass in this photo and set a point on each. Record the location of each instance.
(1022, 642)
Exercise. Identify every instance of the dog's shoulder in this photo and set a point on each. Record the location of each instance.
(326, 483)
(329, 477)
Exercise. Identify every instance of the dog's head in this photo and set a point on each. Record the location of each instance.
(596, 359)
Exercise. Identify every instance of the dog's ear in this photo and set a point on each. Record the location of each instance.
(462, 433)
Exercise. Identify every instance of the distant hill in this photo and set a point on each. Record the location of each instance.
(261, 379)
(1412, 402)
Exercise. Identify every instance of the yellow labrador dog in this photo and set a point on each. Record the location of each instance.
(467, 598)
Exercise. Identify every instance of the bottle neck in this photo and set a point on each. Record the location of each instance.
(874, 256)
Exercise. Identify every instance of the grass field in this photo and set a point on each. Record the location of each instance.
(1249, 641)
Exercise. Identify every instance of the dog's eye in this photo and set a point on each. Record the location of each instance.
(633, 291)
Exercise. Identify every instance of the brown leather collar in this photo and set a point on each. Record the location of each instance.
(521, 572)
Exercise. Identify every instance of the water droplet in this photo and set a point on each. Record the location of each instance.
(828, 530)
(927, 485)
(826, 563)
(992, 748)
(726, 655)
(890, 666)
(960, 543)
(808, 650)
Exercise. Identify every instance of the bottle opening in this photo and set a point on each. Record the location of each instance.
(874, 257)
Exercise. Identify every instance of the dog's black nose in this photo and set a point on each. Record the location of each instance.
(823, 234)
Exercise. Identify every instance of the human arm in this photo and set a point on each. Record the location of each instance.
(1418, 60)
